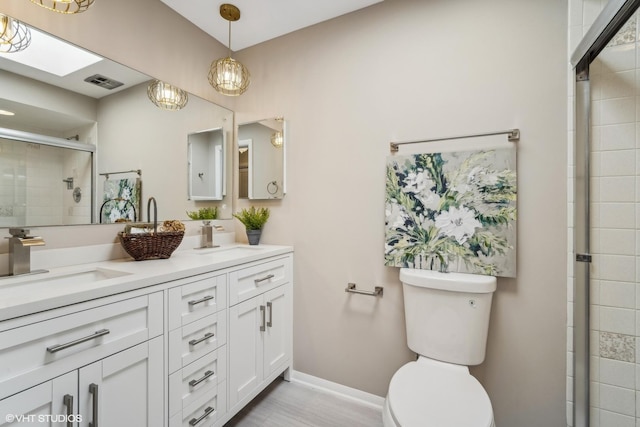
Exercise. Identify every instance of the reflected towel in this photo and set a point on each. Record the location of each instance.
(124, 192)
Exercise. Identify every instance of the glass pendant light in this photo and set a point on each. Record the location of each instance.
(14, 35)
(65, 6)
(226, 75)
(277, 139)
(166, 96)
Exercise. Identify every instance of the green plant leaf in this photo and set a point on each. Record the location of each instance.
(253, 218)
(205, 213)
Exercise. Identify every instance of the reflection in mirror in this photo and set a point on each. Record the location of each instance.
(261, 154)
(105, 105)
(206, 165)
(157, 143)
(44, 180)
(121, 197)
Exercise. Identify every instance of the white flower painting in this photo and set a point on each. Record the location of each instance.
(452, 212)
(458, 223)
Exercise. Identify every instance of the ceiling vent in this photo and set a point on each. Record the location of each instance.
(102, 81)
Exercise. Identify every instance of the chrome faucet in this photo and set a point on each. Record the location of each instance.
(207, 235)
(20, 251)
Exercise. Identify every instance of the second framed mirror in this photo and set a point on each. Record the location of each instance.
(261, 154)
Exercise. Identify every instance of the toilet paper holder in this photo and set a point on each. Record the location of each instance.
(378, 291)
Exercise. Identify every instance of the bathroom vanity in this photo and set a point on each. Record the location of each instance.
(179, 342)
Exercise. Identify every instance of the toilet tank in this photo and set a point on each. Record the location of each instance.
(447, 314)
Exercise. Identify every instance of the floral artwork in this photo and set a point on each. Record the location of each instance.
(121, 200)
(452, 212)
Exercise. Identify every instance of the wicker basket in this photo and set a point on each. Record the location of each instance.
(153, 245)
(144, 246)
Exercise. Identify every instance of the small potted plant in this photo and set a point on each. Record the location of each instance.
(253, 220)
(204, 214)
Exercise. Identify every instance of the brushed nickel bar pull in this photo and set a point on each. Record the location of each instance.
(377, 292)
(200, 301)
(56, 348)
(262, 326)
(270, 307)
(68, 402)
(513, 135)
(206, 375)
(207, 412)
(270, 276)
(204, 338)
(93, 389)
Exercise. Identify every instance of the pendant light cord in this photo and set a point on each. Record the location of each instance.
(229, 48)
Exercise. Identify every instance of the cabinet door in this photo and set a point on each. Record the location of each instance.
(53, 404)
(277, 334)
(245, 348)
(124, 389)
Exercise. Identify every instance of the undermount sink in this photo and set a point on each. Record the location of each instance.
(230, 252)
(64, 279)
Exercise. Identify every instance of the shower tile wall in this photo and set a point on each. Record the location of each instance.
(31, 188)
(615, 224)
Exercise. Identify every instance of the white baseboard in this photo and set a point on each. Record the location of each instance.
(338, 389)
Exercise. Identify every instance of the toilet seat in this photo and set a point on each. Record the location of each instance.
(429, 393)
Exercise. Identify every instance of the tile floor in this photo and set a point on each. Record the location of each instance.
(290, 404)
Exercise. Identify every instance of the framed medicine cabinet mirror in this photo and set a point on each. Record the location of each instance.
(135, 143)
(261, 159)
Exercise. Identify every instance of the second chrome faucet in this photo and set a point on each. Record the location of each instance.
(20, 244)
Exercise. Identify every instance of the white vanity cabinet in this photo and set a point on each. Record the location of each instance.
(260, 328)
(185, 348)
(100, 364)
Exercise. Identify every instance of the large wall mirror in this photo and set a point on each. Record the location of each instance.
(261, 159)
(139, 147)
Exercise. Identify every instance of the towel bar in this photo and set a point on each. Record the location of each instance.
(513, 135)
(377, 292)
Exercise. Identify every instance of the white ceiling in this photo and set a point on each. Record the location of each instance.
(262, 20)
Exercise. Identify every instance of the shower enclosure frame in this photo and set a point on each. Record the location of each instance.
(614, 15)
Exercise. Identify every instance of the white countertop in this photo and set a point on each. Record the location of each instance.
(28, 294)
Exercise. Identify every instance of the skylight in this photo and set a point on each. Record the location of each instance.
(49, 54)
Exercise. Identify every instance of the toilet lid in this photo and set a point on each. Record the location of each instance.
(438, 395)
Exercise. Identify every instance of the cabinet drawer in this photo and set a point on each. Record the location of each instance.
(204, 411)
(193, 301)
(34, 353)
(197, 379)
(250, 281)
(196, 339)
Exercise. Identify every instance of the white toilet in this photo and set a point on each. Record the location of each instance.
(447, 319)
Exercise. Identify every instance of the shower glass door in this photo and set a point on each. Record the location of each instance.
(608, 256)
